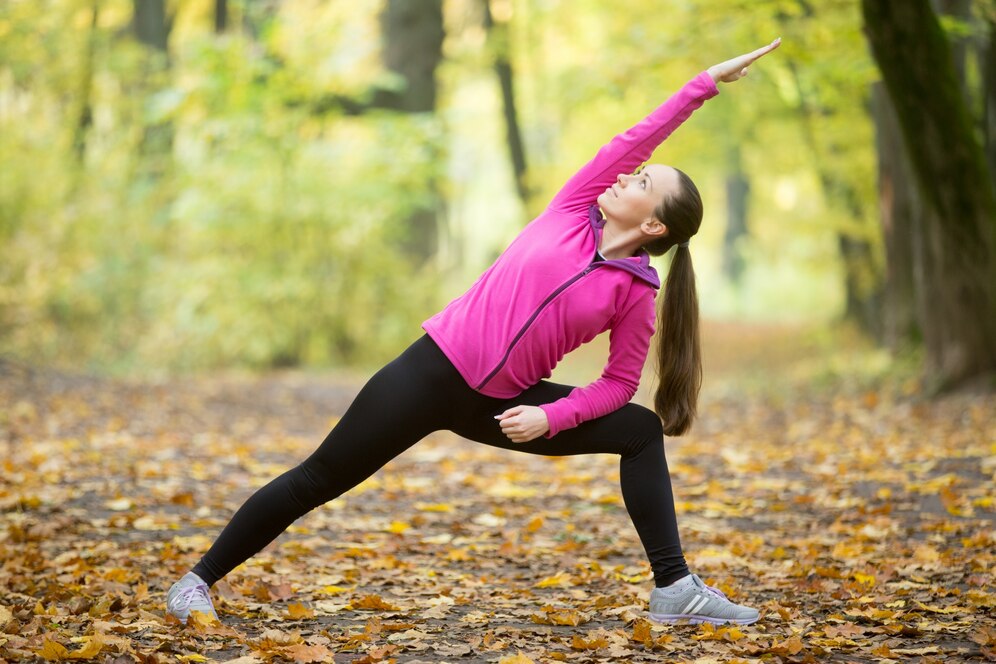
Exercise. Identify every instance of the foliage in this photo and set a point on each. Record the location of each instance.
(269, 235)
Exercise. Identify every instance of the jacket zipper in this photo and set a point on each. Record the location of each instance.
(529, 322)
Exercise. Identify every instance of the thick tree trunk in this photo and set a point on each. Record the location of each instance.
(151, 25)
(412, 47)
(498, 41)
(959, 270)
(900, 208)
(220, 16)
(737, 194)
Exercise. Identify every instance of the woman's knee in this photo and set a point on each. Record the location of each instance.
(646, 425)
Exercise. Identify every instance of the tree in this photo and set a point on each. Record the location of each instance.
(956, 255)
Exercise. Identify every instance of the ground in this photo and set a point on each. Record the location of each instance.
(852, 510)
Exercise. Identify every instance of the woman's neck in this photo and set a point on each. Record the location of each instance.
(615, 243)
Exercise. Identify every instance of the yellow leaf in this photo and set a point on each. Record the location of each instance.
(334, 590)
(298, 611)
(938, 609)
(535, 524)
(398, 527)
(518, 658)
(559, 579)
(867, 579)
(434, 507)
(201, 618)
(52, 651)
(90, 649)
(192, 657)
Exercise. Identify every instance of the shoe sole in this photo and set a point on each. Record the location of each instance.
(671, 619)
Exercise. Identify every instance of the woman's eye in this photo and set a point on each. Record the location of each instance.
(643, 184)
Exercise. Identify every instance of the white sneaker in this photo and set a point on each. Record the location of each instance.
(692, 600)
(189, 594)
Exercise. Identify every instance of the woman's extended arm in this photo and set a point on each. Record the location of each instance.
(628, 150)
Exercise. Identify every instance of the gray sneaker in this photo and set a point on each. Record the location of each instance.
(189, 594)
(698, 603)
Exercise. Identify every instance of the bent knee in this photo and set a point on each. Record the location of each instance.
(647, 425)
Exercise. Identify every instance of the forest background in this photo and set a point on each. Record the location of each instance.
(201, 184)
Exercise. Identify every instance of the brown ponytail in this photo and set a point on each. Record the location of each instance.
(679, 368)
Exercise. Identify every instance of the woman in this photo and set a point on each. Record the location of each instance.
(479, 368)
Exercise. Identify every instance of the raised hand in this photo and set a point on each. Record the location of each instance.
(735, 68)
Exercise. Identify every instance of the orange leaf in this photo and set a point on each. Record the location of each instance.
(579, 643)
(298, 611)
(372, 603)
(305, 653)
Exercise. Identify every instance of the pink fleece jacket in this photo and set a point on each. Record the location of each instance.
(545, 296)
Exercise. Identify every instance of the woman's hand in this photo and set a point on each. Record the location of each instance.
(523, 423)
(731, 70)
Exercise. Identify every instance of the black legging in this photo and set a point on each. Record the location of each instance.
(421, 391)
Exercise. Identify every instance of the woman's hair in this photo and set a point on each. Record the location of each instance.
(679, 368)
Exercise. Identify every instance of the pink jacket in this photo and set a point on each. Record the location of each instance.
(544, 296)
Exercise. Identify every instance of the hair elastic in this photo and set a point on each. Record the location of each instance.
(684, 244)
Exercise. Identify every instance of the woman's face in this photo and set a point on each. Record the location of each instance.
(632, 199)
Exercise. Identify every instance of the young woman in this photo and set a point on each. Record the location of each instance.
(582, 267)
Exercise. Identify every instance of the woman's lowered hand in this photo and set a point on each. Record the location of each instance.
(731, 70)
(523, 423)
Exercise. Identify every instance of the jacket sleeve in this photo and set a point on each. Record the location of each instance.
(629, 340)
(625, 152)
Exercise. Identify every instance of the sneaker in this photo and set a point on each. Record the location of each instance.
(691, 599)
(189, 594)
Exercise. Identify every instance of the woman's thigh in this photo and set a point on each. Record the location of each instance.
(623, 431)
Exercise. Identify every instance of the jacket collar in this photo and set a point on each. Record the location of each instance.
(638, 266)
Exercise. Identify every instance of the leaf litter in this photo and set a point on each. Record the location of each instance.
(858, 519)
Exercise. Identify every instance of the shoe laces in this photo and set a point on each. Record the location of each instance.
(715, 591)
(187, 596)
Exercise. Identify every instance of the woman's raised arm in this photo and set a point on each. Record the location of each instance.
(628, 150)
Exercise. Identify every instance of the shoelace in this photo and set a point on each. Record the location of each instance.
(715, 591)
(186, 597)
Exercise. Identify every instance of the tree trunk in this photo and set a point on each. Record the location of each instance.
(988, 69)
(959, 270)
(862, 283)
(737, 194)
(412, 39)
(498, 41)
(220, 16)
(150, 24)
(84, 118)
(412, 47)
(900, 209)
(152, 27)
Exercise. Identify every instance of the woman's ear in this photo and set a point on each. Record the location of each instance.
(653, 226)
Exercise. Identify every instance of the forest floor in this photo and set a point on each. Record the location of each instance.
(820, 485)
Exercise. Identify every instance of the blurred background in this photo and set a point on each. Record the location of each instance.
(195, 185)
